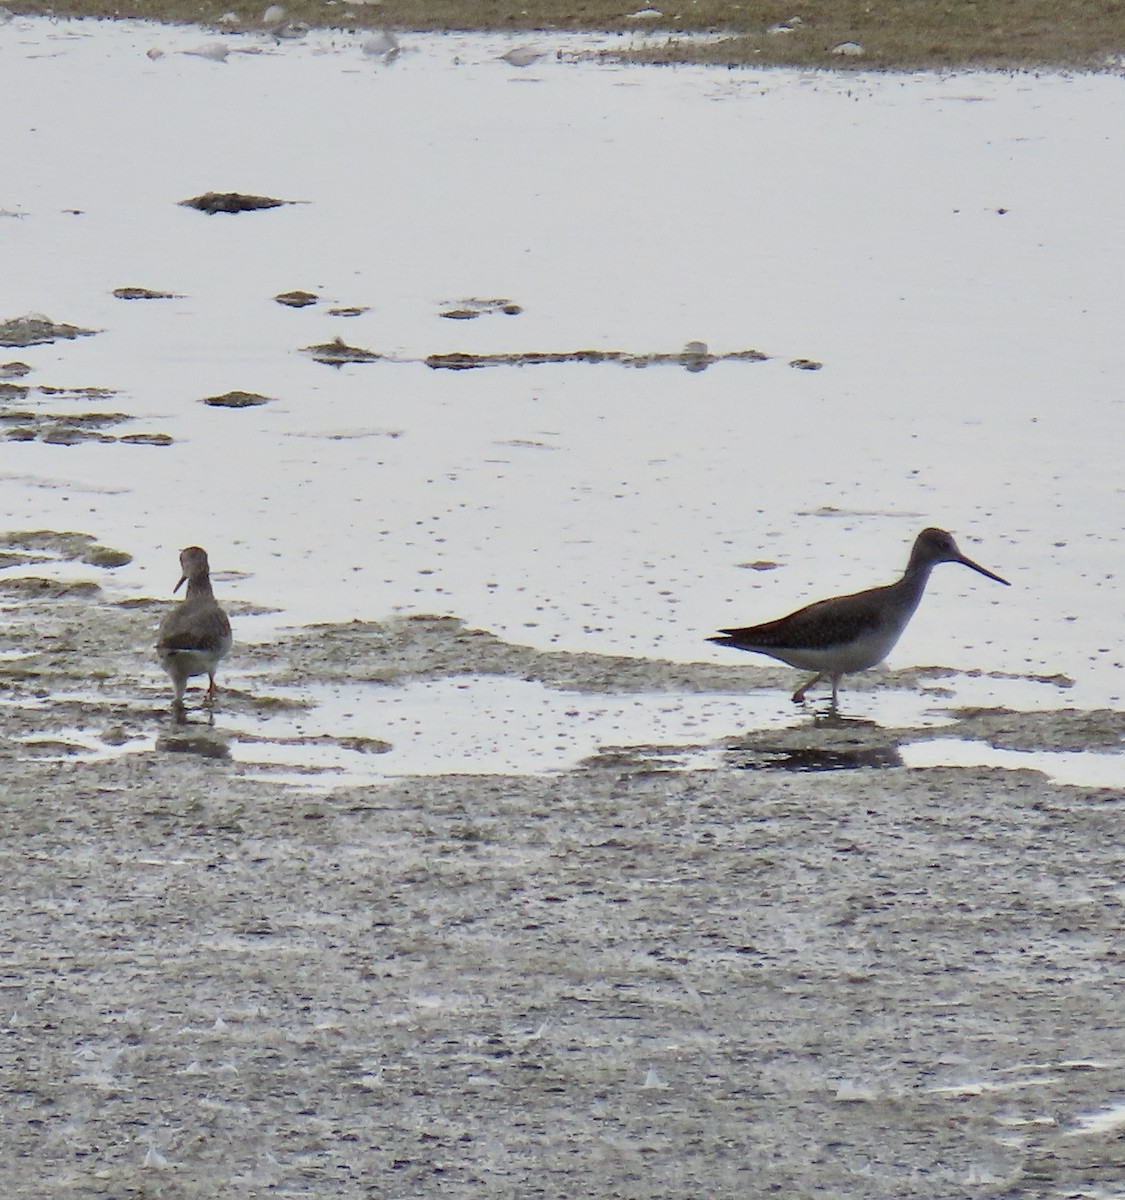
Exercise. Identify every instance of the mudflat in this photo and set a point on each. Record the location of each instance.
(617, 980)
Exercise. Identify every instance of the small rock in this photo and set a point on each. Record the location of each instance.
(848, 49)
(806, 364)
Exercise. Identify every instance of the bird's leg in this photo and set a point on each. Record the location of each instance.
(799, 694)
(835, 689)
(211, 689)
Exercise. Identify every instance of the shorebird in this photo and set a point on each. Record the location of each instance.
(851, 633)
(195, 635)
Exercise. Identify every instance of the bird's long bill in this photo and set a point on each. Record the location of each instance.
(183, 580)
(968, 562)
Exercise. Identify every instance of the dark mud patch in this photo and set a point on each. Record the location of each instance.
(234, 202)
(1060, 730)
(36, 330)
(143, 293)
(72, 429)
(24, 419)
(469, 310)
(41, 545)
(826, 743)
(814, 758)
(296, 299)
(695, 357)
(36, 587)
(236, 399)
(338, 353)
(58, 429)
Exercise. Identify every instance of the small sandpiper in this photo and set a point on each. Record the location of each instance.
(195, 635)
(851, 633)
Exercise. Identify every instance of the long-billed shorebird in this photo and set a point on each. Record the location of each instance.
(851, 633)
(195, 635)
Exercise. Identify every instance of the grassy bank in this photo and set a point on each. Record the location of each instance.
(1084, 34)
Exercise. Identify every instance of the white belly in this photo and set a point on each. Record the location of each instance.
(841, 659)
(186, 663)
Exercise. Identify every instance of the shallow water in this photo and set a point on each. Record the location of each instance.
(924, 238)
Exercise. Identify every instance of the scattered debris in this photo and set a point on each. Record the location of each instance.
(37, 330)
(467, 310)
(236, 400)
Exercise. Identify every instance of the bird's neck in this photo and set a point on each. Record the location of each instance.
(913, 582)
(199, 589)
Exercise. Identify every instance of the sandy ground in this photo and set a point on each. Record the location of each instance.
(615, 981)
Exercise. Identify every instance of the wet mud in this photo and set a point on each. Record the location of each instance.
(36, 330)
(236, 399)
(622, 979)
(29, 414)
(143, 293)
